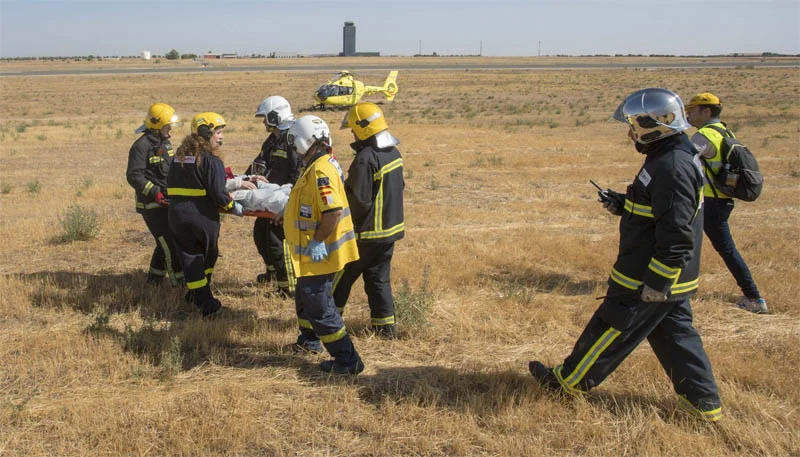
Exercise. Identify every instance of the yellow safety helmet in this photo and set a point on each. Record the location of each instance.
(159, 115)
(365, 119)
(204, 124)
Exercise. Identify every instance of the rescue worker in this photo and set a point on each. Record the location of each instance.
(319, 242)
(279, 165)
(374, 188)
(197, 192)
(657, 267)
(703, 113)
(149, 160)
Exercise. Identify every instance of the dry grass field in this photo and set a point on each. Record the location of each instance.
(505, 252)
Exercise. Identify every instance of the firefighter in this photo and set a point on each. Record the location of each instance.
(320, 241)
(280, 165)
(149, 160)
(197, 192)
(657, 267)
(374, 189)
(703, 113)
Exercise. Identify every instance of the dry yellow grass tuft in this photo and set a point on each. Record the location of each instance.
(501, 217)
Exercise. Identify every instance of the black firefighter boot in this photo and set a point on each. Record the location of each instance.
(205, 301)
(346, 360)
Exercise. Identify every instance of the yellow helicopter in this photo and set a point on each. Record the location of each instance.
(344, 90)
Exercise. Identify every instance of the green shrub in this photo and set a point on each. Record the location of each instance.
(412, 307)
(34, 187)
(79, 224)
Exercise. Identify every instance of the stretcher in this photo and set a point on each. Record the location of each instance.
(265, 214)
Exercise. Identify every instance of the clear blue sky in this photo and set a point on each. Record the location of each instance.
(506, 28)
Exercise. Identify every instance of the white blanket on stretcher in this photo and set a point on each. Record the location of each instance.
(268, 197)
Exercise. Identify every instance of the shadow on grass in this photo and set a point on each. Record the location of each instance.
(531, 281)
(171, 332)
(441, 387)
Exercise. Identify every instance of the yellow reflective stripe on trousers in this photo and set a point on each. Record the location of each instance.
(663, 270)
(168, 260)
(279, 153)
(337, 277)
(209, 271)
(304, 324)
(710, 415)
(197, 284)
(336, 336)
(151, 205)
(382, 320)
(639, 210)
(625, 281)
(568, 389)
(147, 188)
(184, 192)
(591, 356)
(155, 159)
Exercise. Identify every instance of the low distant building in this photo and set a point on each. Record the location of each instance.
(146, 55)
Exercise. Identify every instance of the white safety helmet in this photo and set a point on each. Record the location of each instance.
(307, 131)
(277, 112)
(652, 114)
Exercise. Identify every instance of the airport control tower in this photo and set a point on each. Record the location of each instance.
(349, 39)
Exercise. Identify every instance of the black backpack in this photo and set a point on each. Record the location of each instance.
(739, 176)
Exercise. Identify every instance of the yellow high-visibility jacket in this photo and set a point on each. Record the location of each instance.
(712, 166)
(319, 189)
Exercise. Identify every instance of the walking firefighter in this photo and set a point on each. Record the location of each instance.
(149, 161)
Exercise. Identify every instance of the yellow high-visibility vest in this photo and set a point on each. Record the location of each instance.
(715, 163)
(320, 188)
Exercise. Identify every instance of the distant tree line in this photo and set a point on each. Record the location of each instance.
(173, 54)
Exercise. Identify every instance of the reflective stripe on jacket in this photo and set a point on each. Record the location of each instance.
(318, 190)
(374, 188)
(149, 160)
(716, 162)
(661, 229)
(203, 184)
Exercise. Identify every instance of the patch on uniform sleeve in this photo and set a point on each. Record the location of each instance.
(644, 177)
(322, 182)
(305, 211)
(328, 200)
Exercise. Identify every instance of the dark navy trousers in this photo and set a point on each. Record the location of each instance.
(315, 309)
(620, 324)
(164, 260)
(374, 264)
(715, 225)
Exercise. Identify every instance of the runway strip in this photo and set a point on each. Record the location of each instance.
(198, 68)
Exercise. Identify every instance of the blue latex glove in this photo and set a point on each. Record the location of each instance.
(237, 209)
(316, 250)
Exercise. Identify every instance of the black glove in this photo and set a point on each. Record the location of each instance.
(612, 201)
